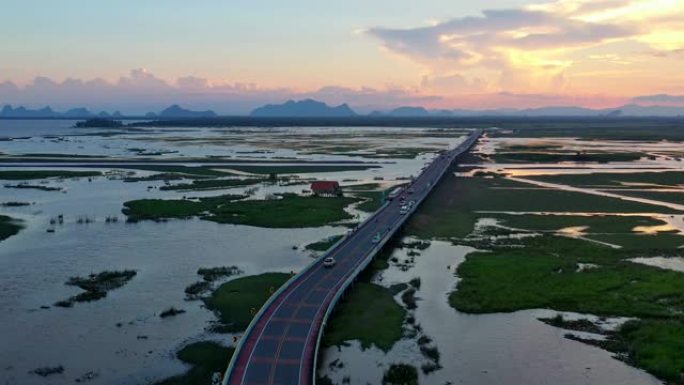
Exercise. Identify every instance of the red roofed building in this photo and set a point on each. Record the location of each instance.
(326, 189)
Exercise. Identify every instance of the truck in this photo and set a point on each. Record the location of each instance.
(394, 193)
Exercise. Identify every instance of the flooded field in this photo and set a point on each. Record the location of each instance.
(74, 226)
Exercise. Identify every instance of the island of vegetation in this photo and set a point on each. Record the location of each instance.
(532, 263)
(283, 211)
(99, 123)
(208, 361)
(43, 174)
(96, 286)
(9, 226)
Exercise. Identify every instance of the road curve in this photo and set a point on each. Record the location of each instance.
(281, 343)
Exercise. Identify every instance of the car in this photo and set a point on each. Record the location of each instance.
(403, 210)
(376, 238)
(329, 262)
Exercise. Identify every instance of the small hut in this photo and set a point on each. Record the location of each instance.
(326, 189)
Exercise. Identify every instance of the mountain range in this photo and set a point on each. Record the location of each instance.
(310, 108)
(173, 112)
(303, 108)
(313, 108)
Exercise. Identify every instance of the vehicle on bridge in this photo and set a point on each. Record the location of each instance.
(394, 193)
(329, 262)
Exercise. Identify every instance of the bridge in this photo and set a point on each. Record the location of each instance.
(280, 346)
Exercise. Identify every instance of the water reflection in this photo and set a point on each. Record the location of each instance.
(512, 348)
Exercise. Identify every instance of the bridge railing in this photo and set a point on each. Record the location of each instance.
(351, 277)
(255, 320)
(369, 258)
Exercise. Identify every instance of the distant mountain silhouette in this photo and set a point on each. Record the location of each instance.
(632, 110)
(22, 112)
(303, 108)
(175, 112)
(409, 112)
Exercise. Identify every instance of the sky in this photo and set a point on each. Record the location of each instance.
(233, 55)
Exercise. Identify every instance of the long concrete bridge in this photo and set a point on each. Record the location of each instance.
(280, 346)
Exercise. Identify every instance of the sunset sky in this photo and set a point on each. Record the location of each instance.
(233, 55)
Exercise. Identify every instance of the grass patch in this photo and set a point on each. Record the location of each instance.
(596, 224)
(210, 184)
(325, 244)
(9, 226)
(40, 174)
(287, 211)
(96, 286)
(154, 209)
(663, 196)
(451, 209)
(655, 345)
(400, 374)
(211, 274)
(662, 241)
(544, 274)
(298, 169)
(206, 358)
(237, 301)
(171, 312)
(26, 186)
(554, 157)
(373, 198)
(368, 314)
(667, 178)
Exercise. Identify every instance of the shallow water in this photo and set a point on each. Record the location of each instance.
(669, 263)
(34, 265)
(502, 348)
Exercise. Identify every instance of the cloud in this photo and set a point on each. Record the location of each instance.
(531, 48)
(660, 99)
(141, 91)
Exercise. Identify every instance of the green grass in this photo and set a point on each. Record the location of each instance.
(641, 241)
(368, 314)
(289, 211)
(656, 346)
(666, 178)
(663, 196)
(153, 209)
(30, 175)
(191, 171)
(8, 227)
(400, 374)
(641, 129)
(96, 286)
(597, 224)
(553, 157)
(324, 244)
(208, 184)
(237, 301)
(373, 198)
(298, 169)
(543, 274)
(206, 359)
(451, 209)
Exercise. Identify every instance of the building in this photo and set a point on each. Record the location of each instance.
(326, 189)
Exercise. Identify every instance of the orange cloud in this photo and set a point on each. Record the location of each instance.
(551, 47)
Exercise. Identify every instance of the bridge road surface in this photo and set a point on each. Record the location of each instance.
(281, 343)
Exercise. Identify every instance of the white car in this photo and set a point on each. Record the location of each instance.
(376, 238)
(403, 210)
(329, 262)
